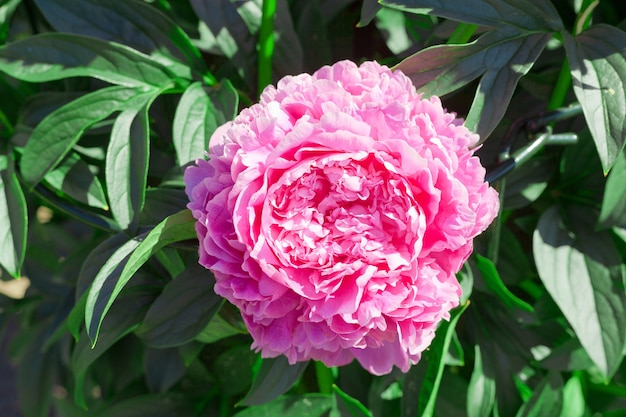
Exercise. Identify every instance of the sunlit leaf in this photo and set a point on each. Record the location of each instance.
(584, 277)
(53, 138)
(127, 159)
(197, 116)
(528, 14)
(73, 177)
(481, 393)
(613, 211)
(132, 23)
(598, 65)
(13, 218)
(55, 56)
(500, 57)
(120, 268)
(547, 399)
(7, 8)
(574, 398)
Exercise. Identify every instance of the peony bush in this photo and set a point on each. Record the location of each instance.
(356, 208)
(335, 212)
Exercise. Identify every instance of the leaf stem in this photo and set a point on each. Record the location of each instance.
(325, 378)
(266, 44)
(462, 33)
(561, 88)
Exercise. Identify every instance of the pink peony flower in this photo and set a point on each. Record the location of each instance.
(335, 212)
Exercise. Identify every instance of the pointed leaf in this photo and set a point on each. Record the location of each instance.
(528, 14)
(307, 405)
(198, 115)
(275, 378)
(613, 211)
(598, 65)
(547, 399)
(500, 57)
(126, 168)
(586, 283)
(354, 406)
(54, 56)
(127, 260)
(53, 138)
(184, 308)
(495, 284)
(73, 178)
(132, 23)
(7, 8)
(13, 218)
(481, 393)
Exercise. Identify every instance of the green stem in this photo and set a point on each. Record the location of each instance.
(325, 378)
(462, 33)
(561, 88)
(266, 44)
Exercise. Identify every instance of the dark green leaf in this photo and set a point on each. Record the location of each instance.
(73, 178)
(132, 23)
(275, 377)
(162, 202)
(613, 211)
(547, 399)
(570, 356)
(501, 57)
(120, 268)
(495, 284)
(198, 115)
(353, 405)
(7, 8)
(233, 36)
(527, 14)
(368, 12)
(584, 277)
(218, 329)
(163, 368)
(60, 130)
(36, 376)
(183, 310)
(481, 393)
(420, 391)
(54, 56)
(233, 369)
(307, 405)
(153, 405)
(13, 218)
(127, 163)
(598, 65)
(124, 318)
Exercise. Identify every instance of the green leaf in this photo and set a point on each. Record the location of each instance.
(527, 14)
(182, 311)
(126, 317)
(613, 211)
(55, 56)
(584, 277)
(598, 66)
(36, 376)
(119, 269)
(133, 23)
(233, 369)
(570, 356)
(369, 9)
(420, 391)
(126, 168)
(481, 393)
(275, 378)
(55, 136)
(7, 8)
(163, 368)
(501, 57)
(232, 34)
(307, 405)
(198, 115)
(354, 406)
(218, 329)
(547, 399)
(153, 405)
(13, 218)
(574, 403)
(73, 177)
(495, 284)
